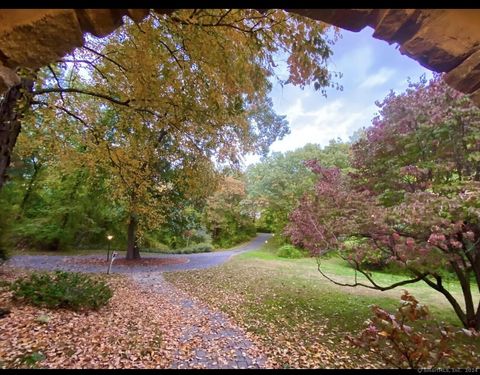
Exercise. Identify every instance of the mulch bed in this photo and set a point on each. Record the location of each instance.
(131, 263)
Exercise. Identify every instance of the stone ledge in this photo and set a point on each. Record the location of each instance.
(466, 76)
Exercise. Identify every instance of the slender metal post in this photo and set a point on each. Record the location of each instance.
(114, 255)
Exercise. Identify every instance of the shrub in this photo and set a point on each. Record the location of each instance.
(197, 248)
(409, 339)
(31, 359)
(289, 251)
(159, 248)
(70, 290)
(200, 236)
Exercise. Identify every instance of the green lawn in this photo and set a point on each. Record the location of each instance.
(297, 313)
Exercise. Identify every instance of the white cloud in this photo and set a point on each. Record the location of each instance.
(378, 79)
(332, 120)
(370, 69)
(295, 110)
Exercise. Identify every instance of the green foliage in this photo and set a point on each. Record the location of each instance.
(289, 251)
(157, 248)
(31, 359)
(63, 206)
(200, 236)
(276, 183)
(235, 238)
(204, 247)
(197, 248)
(61, 289)
(181, 228)
(228, 214)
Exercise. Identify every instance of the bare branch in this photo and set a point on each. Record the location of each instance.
(67, 111)
(374, 285)
(223, 16)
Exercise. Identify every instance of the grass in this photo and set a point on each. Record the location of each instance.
(290, 306)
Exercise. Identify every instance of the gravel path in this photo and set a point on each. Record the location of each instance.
(218, 343)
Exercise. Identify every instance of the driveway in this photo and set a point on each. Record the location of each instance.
(207, 338)
(195, 261)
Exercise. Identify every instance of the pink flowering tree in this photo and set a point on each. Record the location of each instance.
(428, 222)
(426, 138)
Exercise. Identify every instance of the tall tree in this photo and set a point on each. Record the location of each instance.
(191, 38)
(278, 181)
(427, 137)
(226, 217)
(177, 93)
(430, 224)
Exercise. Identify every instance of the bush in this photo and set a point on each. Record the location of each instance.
(197, 248)
(232, 238)
(200, 236)
(70, 290)
(159, 248)
(409, 339)
(289, 251)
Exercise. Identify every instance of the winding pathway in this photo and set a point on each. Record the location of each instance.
(218, 341)
(195, 261)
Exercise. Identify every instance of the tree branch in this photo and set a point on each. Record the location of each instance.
(79, 91)
(58, 82)
(374, 285)
(86, 62)
(106, 57)
(439, 287)
(171, 53)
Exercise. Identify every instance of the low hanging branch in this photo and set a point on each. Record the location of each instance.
(374, 285)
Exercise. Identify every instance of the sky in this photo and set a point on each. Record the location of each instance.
(370, 68)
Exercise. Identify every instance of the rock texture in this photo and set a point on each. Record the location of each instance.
(443, 40)
(32, 38)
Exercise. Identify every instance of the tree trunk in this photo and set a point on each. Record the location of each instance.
(10, 121)
(28, 192)
(132, 248)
